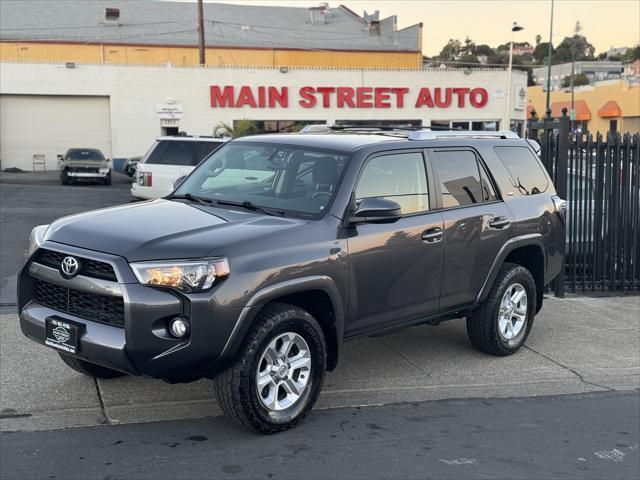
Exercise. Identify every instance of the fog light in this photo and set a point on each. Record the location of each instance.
(179, 327)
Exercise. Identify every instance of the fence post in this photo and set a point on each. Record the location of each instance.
(562, 158)
(533, 128)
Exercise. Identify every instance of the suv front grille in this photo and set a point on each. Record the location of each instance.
(88, 267)
(99, 308)
(85, 169)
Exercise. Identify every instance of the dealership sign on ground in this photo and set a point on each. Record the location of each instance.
(230, 96)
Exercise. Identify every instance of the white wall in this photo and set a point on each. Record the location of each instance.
(135, 91)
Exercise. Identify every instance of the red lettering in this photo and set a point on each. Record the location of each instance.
(461, 92)
(424, 98)
(281, 97)
(326, 95)
(478, 97)
(222, 98)
(381, 99)
(307, 97)
(261, 97)
(345, 97)
(438, 97)
(245, 97)
(364, 97)
(400, 93)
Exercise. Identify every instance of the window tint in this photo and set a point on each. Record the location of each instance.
(488, 192)
(172, 152)
(204, 149)
(525, 169)
(459, 178)
(399, 177)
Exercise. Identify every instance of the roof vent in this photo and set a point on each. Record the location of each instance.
(373, 22)
(112, 16)
(317, 14)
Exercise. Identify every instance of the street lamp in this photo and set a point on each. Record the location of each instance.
(507, 108)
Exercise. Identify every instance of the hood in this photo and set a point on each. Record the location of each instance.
(163, 229)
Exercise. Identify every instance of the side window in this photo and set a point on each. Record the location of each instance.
(459, 177)
(488, 192)
(525, 169)
(172, 152)
(399, 177)
(204, 149)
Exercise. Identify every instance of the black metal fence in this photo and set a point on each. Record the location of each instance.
(599, 176)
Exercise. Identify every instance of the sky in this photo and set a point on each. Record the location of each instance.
(605, 23)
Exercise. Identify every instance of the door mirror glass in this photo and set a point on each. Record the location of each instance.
(376, 210)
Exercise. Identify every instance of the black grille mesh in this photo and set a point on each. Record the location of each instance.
(88, 267)
(99, 308)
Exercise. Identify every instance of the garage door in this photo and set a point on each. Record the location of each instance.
(49, 125)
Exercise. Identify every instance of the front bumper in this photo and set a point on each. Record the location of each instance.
(87, 174)
(141, 345)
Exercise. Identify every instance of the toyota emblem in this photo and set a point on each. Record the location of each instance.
(69, 267)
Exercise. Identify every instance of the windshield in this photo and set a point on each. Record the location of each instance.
(289, 178)
(79, 154)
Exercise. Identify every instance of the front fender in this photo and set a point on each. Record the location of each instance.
(275, 291)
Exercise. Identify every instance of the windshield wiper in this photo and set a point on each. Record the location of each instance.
(251, 206)
(191, 198)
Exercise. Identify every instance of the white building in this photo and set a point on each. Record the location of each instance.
(47, 108)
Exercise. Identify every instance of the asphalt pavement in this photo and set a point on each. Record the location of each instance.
(578, 345)
(589, 436)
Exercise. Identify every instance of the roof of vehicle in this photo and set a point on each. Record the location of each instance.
(84, 149)
(346, 142)
(192, 138)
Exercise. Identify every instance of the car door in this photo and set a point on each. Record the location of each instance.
(476, 222)
(395, 268)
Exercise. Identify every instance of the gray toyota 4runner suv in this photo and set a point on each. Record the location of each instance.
(277, 248)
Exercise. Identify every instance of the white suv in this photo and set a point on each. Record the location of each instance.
(168, 159)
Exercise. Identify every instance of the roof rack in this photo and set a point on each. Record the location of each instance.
(435, 134)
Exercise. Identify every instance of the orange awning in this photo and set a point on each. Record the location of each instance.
(611, 109)
(582, 110)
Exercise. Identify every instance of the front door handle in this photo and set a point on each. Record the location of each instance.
(499, 222)
(433, 235)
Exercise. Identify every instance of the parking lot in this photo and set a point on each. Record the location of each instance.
(579, 345)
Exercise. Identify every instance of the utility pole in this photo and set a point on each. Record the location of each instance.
(507, 108)
(202, 59)
(549, 53)
(573, 70)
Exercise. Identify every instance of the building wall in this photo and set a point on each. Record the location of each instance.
(188, 56)
(134, 93)
(627, 96)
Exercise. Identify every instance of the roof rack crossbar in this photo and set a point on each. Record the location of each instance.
(435, 134)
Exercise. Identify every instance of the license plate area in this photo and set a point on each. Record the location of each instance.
(62, 334)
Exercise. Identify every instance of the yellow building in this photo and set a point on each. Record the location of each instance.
(613, 105)
(152, 32)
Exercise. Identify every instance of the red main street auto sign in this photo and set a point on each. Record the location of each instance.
(229, 96)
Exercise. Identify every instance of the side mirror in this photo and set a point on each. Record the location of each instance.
(376, 210)
(60, 157)
(178, 181)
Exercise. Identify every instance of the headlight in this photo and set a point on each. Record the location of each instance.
(186, 276)
(36, 238)
(104, 170)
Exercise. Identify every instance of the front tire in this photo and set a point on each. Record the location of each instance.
(503, 321)
(279, 371)
(89, 369)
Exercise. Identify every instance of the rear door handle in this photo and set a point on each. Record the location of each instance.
(499, 222)
(433, 235)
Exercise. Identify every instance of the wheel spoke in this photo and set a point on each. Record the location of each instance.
(271, 400)
(270, 354)
(292, 388)
(300, 361)
(264, 379)
(515, 298)
(287, 343)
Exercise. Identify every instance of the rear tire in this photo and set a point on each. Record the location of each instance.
(89, 369)
(279, 402)
(500, 325)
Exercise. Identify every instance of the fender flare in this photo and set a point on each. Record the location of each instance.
(534, 239)
(288, 287)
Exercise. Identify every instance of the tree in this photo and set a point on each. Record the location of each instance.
(632, 54)
(451, 51)
(583, 49)
(540, 52)
(580, 79)
(241, 128)
(483, 49)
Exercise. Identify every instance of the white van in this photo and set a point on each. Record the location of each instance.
(168, 159)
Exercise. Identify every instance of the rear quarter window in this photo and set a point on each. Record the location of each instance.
(525, 169)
